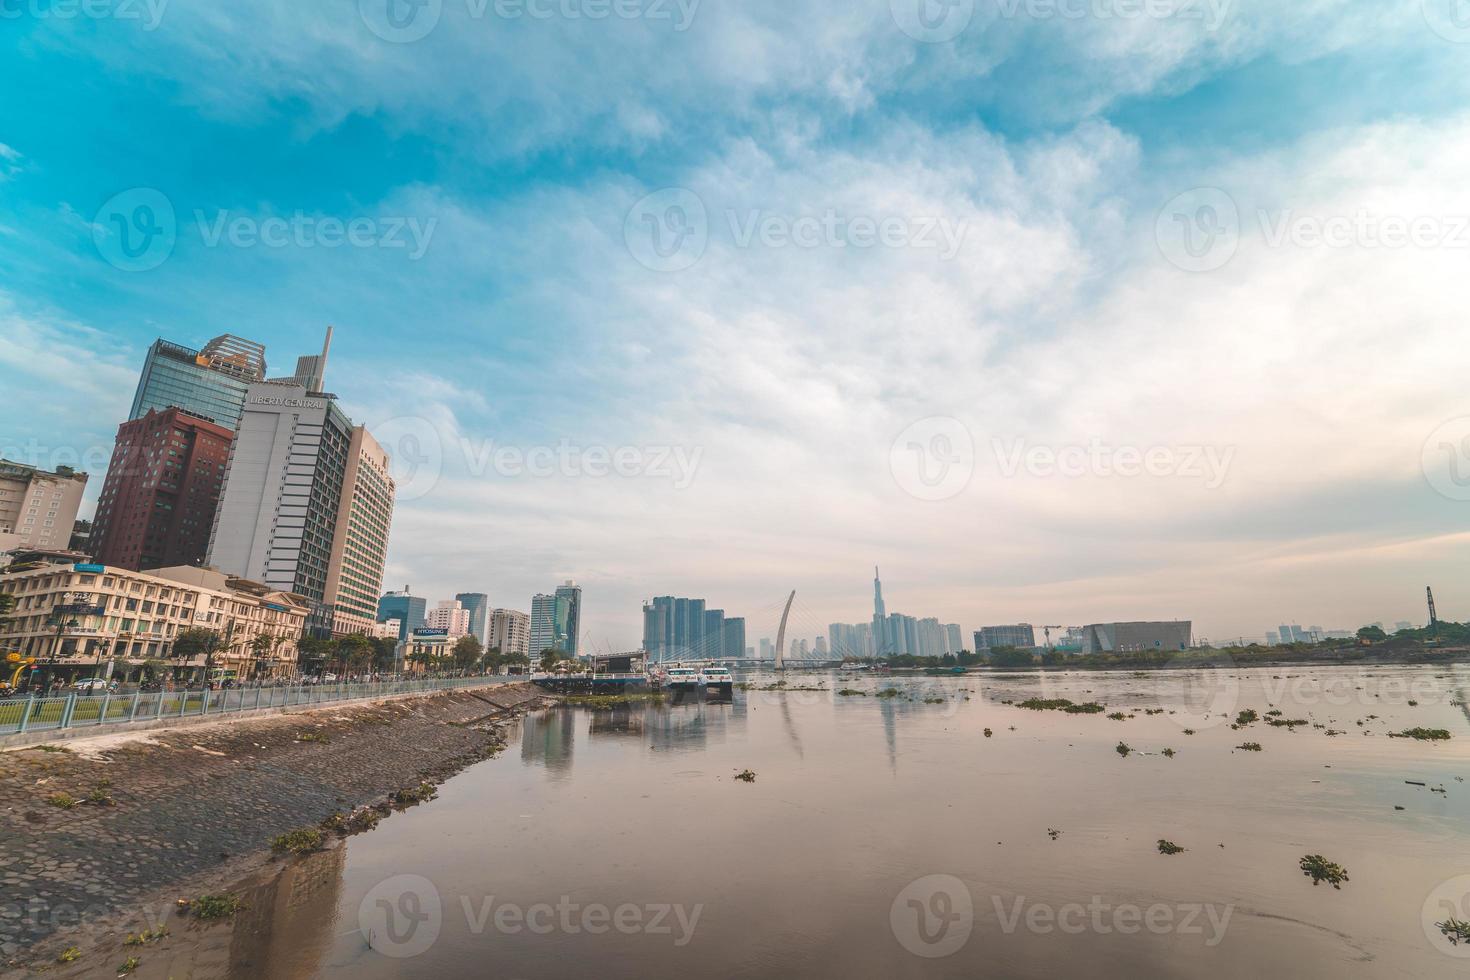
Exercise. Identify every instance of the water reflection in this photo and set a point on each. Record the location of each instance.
(548, 738)
(286, 924)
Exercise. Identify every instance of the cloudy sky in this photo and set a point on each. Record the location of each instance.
(1058, 310)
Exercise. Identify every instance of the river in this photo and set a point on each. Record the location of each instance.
(888, 835)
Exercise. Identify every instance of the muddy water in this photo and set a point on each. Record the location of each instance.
(890, 837)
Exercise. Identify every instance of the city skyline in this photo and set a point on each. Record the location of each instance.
(1049, 391)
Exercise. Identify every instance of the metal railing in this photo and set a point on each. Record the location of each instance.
(73, 711)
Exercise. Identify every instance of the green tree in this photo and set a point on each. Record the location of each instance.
(1372, 634)
(385, 653)
(311, 654)
(354, 652)
(198, 641)
(550, 657)
(467, 652)
(1011, 657)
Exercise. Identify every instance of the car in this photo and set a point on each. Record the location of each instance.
(90, 685)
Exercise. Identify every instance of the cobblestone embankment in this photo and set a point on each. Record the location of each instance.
(159, 809)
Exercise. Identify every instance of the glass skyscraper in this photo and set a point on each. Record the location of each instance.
(209, 383)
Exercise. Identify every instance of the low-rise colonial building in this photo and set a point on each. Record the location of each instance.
(75, 617)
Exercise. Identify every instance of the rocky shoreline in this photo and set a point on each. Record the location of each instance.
(103, 836)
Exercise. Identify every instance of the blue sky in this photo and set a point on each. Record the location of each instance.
(1030, 299)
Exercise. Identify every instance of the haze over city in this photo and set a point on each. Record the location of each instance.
(1059, 319)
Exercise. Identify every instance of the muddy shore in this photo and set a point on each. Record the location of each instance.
(104, 836)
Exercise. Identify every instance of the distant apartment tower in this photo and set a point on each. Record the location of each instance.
(450, 616)
(209, 383)
(162, 488)
(1022, 636)
(38, 508)
(712, 648)
(954, 638)
(478, 604)
(307, 505)
(409, 610)
(571, 594)
(657, 627)
(733, 640)
(510, 632)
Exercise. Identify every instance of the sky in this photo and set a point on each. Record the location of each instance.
(1059, 311)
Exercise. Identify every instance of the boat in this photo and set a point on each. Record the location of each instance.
(680, 678)
(712, 676)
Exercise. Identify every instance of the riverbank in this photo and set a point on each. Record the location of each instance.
(103, 836)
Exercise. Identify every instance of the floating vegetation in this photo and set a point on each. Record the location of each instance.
(1423, 734)
(1291, 723)
(988, 733)
(1062, 704)
(1118, 716)
(1169, 847)
(605, 702)
(1274, 713)
(745, 776)
(1168, 753)
(1189, 731)
(302, 841)
(934, 700)
(851, 692)
(1457, 931)
(1153, 711)
(1319, 869)
(1247, 717)
(888, 692)
(1053, 833)
(1124, 749)
(1413, 704)
(1250, 747)
(210, 907)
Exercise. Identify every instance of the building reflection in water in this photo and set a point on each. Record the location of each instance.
(547, 737)
(287, 925)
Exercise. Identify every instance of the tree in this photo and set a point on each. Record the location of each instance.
(1011, 657)
(385, 653)
(467, 652)
(197, 641)
(260, 647)
(550, 657)
(311, 654)
(354, 652)
(1372, 634)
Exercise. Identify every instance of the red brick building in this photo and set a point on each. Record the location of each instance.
(162, 488)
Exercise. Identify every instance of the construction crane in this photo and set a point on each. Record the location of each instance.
(1433, 615)
(1048, 630)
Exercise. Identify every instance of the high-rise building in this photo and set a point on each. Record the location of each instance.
(548, 624)
(734, 638)
(767, 649)
(163, 485)
(38, 507)
(880, 618)
(571, 592)
(307, 505)
(359, 550)
(510, 632)
(409, 610)
(478, 603)
(658, 617)
(451, 616)
(209, 383)
(953, 638)
(713, 646)
(1134, 637)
